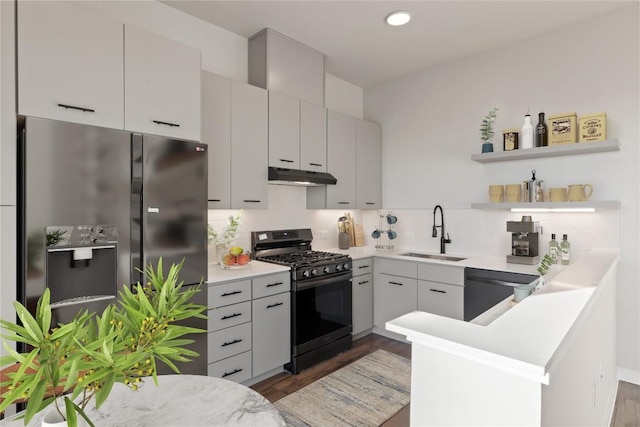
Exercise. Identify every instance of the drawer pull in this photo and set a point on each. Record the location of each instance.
(274, 284)
(275, 305)
(231, 293)
(229, 343)
(231, 316)
(344, 203)
(73, 107)
(286, 160)
(251, 201)
(215, 200)
(235, 371)
(370, 203)
(438, 290)
(395, 283)
(173, 125)
(363, 282)
(363, 266)
(315, 164)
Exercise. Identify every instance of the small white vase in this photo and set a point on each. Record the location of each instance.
(52, 418)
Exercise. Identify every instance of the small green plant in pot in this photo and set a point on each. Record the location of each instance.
(81, 360)
(486, 130)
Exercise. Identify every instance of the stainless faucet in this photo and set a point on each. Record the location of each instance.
(443, 241)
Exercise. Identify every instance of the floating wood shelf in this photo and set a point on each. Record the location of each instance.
(551, 151)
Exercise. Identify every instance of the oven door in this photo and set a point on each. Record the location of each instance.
(321, 312)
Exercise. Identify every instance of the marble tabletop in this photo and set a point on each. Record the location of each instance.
(179, 401)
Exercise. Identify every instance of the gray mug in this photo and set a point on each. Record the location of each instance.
(392, 234)
(375, 234)
(391, 219)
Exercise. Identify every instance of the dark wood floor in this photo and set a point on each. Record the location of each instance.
(280, 385)
(626, 411)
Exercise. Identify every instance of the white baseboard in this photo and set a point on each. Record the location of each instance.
(629, 375)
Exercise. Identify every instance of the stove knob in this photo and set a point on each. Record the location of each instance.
(305, 273)
(314, 272)
(338, 267)
(346, 266)
(326, 269)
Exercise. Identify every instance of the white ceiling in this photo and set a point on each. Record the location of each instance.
(360, 48)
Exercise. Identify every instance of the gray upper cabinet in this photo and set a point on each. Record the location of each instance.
(341, 163)
(369, 164)
(249, 146)
(313, 137)
(234, 126)
(284, 131)
(216, 133)
(279, 63)
(70, 63)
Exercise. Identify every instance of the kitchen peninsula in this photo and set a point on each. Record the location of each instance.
(549, 360)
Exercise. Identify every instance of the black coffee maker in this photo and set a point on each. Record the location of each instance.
(524, 241)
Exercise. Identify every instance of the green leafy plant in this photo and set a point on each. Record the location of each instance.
(83, 359)
(229, 234)
(486, 127)
(545, 264)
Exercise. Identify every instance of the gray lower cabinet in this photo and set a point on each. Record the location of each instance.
(395, 289)
(249, 328)
(362, 295)
(441, 290)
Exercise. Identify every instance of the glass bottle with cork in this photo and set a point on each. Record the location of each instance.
(565, 250)
(542, 136)
(554, 249)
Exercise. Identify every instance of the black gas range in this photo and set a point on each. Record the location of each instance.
(321, 318)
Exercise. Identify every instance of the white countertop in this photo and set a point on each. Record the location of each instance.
(217, 274)
(522, 339)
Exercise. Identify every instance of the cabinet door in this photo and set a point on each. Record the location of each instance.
(249, 146)
(271, 332)
(393, 296)
(313, 137)
(341, 160)
(369, 166)
(362, 305)
(70, 64)
(440, 298)
(284, 131)
(162, 85)
(216, 133)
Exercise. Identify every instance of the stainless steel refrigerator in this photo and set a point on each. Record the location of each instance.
(96, 204)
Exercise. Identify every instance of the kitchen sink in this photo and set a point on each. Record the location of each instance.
(433, 256)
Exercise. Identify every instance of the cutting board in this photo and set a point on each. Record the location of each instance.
(359, 235)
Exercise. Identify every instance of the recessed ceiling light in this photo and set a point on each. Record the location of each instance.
(397, 18)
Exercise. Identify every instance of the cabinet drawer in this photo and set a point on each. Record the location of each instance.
(441, 273)
(442, 299)
(362, 266)
(271, 285)
(229, 342)
(235, 368)
(229, 293)
(228, 316)
(397, 268)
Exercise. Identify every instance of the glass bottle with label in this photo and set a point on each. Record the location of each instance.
(554, 249)
(565, 250)
(541, 132)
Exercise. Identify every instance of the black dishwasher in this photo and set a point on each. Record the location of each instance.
(485, 288)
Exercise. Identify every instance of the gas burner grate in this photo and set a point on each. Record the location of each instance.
(302, 257)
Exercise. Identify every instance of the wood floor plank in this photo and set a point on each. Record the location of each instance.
(626, 412)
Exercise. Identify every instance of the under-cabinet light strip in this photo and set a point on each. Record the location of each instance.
(553, 209)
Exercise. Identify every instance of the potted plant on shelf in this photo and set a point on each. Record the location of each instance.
(486, 130)
(82, 359)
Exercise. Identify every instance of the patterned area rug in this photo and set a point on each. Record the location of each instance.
(365, 393)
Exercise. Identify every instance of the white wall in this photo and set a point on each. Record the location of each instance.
(430, 124)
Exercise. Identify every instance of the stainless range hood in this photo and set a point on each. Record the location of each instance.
(283, 176)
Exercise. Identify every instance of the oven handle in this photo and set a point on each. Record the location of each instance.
(314, 283)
